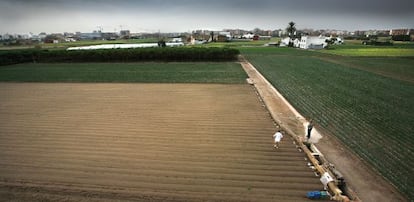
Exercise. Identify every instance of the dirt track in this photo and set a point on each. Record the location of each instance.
(167, 142)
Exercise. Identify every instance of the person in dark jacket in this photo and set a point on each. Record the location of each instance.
(310, 127)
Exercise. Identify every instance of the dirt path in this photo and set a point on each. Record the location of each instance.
(144, 142)
(367, 183)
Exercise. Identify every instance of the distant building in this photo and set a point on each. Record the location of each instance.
(42, 36)
(248, 36)
(90, 36)
(54, 38)
(194, 41)
(227, 35)
(223, 37)
(70, 39)
(109, 36)
(395, 32)
(69, 35)
(257, 37)
(402, 34)
(334, 40)
(296, 43)
(125, 34)
(7, 37)
(176, 40)
(203, 35)
(312, 42)
(236, 33)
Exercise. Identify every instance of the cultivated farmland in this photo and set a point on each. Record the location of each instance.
(396, 50)
(189, 72)
(325, 65)
(165, 142)
(364, 102)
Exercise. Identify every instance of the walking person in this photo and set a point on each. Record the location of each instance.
(277, 138)
(310, 127)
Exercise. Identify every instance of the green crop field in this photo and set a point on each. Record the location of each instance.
(366, 102)
(192, 72)
(400, 68)
(372, 52)
(396, 50)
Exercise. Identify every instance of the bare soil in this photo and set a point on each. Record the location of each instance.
(368, 184)
(144, 142)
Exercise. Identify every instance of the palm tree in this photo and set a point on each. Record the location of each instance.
(291, 29)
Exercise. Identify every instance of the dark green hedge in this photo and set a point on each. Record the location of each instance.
(16, 56)
(401, 38)
(119, 55)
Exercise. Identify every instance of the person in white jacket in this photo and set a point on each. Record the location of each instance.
(277, 138)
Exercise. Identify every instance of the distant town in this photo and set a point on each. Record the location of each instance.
(199, 36)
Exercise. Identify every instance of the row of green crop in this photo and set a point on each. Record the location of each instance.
(119, 55)
(369, 113)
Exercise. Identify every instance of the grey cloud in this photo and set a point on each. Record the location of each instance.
(295, 7)
(186, 14)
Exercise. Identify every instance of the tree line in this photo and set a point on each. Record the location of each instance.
(119, 55)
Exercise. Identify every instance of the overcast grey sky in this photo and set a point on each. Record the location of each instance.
(52, 16)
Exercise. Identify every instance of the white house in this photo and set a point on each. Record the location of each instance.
(336, 40)
(296, 43)
(248, 36)
(285, 42)
(312, 42)
(176, 40)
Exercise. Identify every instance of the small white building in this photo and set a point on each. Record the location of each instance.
(248, 36)
(334, 40)
(176, 40)
(285, 42)
(296, 43)
(312, 42)
(70, 39)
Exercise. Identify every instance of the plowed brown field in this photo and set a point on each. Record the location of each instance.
(166, 142)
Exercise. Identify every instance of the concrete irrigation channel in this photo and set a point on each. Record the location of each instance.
(144, 142)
